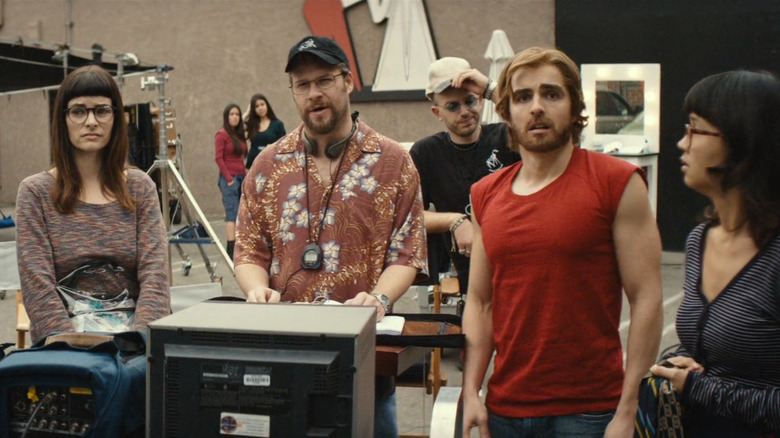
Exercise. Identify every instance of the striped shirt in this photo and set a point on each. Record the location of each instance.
(51, 244)
(736, 337)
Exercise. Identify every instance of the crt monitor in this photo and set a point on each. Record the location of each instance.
(262, 370)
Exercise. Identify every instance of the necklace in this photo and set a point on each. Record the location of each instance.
(466, 147)
(314, 235)
(462, 148)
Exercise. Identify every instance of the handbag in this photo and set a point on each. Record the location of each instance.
(659, 414)
(98, 298)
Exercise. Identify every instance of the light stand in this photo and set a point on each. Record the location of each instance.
(167, 168)
(122, 60)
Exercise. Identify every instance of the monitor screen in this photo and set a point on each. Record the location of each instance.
(268, 371)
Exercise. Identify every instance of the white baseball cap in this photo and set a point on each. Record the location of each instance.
(441, 72)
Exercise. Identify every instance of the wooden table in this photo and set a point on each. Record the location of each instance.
(394, 360)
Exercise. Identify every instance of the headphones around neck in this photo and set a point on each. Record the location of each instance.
(334, 149)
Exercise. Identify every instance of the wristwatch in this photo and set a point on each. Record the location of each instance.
(383, 300)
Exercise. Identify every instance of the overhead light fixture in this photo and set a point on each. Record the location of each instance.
(60, 54)
(97, 53)
(127, 59)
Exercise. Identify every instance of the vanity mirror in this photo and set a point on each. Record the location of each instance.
(623, 105)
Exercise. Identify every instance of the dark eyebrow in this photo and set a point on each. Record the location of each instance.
(542, 88)
(552, 87)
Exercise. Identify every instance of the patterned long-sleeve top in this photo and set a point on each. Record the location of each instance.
(51, 244)
(373, 218)
(736, 337)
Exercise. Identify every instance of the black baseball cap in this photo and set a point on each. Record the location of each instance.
(319, 46)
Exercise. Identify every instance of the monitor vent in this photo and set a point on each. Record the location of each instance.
(251, 340)
(326, 379)
(172, 397)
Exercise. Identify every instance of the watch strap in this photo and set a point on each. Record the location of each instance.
(383, 300)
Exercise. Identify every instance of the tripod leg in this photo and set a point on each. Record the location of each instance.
(211, 267)
(188, 196)
(186, 263)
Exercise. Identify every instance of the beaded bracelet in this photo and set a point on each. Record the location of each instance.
(453, 227)
(457, 223)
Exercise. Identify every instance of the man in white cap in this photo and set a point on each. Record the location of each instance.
(450, 161)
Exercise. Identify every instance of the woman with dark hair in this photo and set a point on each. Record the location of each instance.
(230, 149)
(262, 126)
(727, 368)
(90, 206)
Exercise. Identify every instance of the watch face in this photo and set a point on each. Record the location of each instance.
(383, 300)
(312, 257)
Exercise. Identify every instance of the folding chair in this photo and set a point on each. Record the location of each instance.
(22, 321)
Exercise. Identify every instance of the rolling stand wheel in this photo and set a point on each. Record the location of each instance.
(185, 267)
(2, 294)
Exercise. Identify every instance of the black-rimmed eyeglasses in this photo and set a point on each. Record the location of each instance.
(322, 83)
(78, 113)
(454, 106)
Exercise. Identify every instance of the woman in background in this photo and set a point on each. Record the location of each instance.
(230, 149)
(727, 368)
(263, 128)
(90, 206)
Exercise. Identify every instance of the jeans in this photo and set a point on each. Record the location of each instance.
(585, 425)
(231, 195)
(385, 421)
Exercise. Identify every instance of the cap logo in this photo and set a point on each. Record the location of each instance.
(307, 45)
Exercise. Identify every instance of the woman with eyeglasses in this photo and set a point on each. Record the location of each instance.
(230, 150)
(262, 126)
(727, 369)
(90, 207)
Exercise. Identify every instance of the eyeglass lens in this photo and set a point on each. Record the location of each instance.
(321, 83)
(689, 131)
(79, 113)
(454, 106)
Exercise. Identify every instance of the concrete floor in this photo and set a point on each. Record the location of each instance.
(414, 406)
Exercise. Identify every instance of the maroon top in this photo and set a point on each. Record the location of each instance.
(229, 163)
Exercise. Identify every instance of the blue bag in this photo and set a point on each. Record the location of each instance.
(90, 389)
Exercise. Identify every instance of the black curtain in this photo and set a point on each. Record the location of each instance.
(690, 39)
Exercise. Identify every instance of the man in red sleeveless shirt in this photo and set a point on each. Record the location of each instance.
(557, 237)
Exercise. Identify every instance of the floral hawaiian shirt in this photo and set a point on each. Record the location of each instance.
(374, 217)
